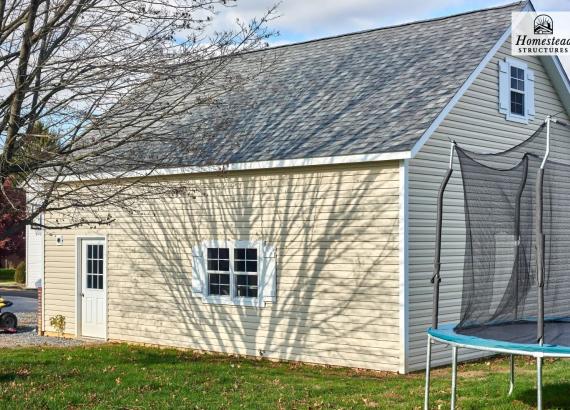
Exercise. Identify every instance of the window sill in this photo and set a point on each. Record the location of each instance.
(220, 300)
(517, 118)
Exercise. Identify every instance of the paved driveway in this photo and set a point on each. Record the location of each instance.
(21, 304)
(24, 300)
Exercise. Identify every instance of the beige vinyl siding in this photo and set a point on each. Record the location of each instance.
(59, 291)
(336, 234)
(475, 122)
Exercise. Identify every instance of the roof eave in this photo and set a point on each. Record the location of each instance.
(554, 68)
(247, 166)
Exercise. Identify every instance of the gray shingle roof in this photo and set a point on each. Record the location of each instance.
(365, 93)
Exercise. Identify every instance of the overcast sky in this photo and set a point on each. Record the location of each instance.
(309, 19)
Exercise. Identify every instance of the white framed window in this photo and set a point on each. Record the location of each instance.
(516, 90)
(246, 273)
(236, 272)
(218, 269)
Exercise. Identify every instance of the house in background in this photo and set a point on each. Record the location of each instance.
(10, 261)
(317, 244)
(34, 256)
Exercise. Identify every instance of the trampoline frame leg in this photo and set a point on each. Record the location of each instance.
(539, 383)
(512, 378)
(428, 371)
(453, 375)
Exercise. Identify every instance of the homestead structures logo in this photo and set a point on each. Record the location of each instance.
(535, 35)
(543, 24)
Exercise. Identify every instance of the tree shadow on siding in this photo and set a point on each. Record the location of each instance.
(335, 231)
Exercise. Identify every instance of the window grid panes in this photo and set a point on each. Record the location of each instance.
(517, 103)
(517, 91)
(218, 265)
(95, 260)
(245, 267)
(517, 79)
(232, 272)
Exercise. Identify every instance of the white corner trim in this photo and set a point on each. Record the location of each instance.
(403, 268)
(453, 102)
(247, 166)
(76, 285)
(43, 301)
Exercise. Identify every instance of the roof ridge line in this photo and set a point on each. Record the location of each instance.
(429, 20)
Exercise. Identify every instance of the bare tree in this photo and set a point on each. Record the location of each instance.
(114, 81)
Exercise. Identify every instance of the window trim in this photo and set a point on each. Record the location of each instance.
(232, 298)
(527, 93)
(516, 90)
(521, 66)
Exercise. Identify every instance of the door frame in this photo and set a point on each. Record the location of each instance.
(79, 280)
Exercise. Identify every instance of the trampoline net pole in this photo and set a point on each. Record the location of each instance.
(428, 371)
(539, 383)
(512, 375)
(436, 278)
(540, 257)
(540, 238)
(453, 376)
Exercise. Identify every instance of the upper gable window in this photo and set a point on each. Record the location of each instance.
(516, 90)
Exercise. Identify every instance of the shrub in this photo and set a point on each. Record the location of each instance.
(20, 274)
(7, 274)
(58, 323)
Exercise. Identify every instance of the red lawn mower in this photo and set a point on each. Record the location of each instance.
(8, 320)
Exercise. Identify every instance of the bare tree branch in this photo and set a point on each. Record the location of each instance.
(108, 87)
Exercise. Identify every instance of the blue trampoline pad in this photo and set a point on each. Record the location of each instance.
(513, 336)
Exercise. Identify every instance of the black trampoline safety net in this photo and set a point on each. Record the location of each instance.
(500, 281)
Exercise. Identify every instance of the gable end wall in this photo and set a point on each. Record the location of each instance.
(475, 122)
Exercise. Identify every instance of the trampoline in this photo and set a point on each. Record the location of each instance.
(515, 284)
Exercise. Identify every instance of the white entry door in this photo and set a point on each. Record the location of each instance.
(93, 288)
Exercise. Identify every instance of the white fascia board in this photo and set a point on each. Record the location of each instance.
(404, 266)
(556, 72)
(559, 79)
(248, 166)
(453, 102)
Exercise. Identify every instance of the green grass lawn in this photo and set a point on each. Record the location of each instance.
(120, 376)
